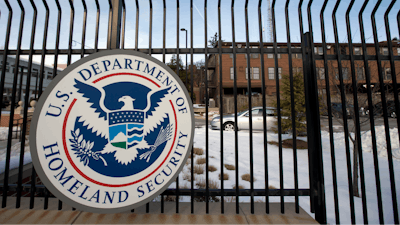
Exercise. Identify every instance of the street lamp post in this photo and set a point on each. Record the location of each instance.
(186, 81)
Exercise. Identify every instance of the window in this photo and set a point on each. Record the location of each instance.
(296, 55)
(384, 51)
(230, 55)
(49, 75)
(321, 73)
(34, 72)
(254, 56)
(279, 55)
(7, 67)
(357, 51)
(345, 73)
(270, 112)
(232, 75)
(360, 73)
(25, 71)
(387, 74)
(270, 56)
(297, 70)
(271, 73)
(343, 50)
(255, 73)
(398, 51)
(318, 50)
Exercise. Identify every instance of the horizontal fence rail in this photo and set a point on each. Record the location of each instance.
(333, 86)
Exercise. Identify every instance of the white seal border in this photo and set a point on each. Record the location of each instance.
(38, 110)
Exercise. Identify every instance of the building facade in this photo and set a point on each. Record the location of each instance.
(22, 72)
(297, 64)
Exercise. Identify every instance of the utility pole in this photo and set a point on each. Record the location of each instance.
(269, 22)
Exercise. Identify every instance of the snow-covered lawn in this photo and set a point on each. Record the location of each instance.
(302, 157)
(273, 168)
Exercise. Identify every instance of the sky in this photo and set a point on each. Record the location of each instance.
(199, 16)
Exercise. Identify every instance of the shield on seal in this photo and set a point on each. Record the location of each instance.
(125, 128)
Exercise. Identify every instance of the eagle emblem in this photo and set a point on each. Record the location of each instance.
(137, 129)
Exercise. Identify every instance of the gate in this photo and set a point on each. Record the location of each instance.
(342, 81)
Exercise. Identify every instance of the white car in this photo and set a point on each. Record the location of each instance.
(243, 120)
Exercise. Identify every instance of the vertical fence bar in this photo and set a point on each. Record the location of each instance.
(246, 13)
(329, 107)
(123, 25)
(313, 119)
(191, 81)
(83, 28)
(163, 58)
(206, 87)
(221, 106)
(357, 116)
(344, 112)
(293, 109)
(385, 113)
(371, 115)
(21, 79)
(71, 31)
(392, 64)
(137, 25)
(305, 71)
(26, 105)
(14, 92)
(150, 25)
(236, 106)
(314, 133)
(177, 72)
(110, 10)
(261, 46)
(96, 37)
(40, 77)
(278, 106)
(150, 32)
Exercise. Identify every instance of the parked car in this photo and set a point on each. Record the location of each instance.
(243, 120)
(337, 110)
(378, 109)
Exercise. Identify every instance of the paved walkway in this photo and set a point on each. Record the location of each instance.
(24, 215)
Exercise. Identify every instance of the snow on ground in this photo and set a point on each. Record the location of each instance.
(302, 160)
(4, 132)
(15, 154)
(273, 168)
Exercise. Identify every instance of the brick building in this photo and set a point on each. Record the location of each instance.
(297, 64)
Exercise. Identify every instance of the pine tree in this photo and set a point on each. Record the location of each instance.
(182, 72)
(299, 104)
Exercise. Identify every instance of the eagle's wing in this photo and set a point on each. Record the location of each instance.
(95, 97)
(153, 116)
(155, 99)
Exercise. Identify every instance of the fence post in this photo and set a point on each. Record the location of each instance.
(114, 36)
(316, 168)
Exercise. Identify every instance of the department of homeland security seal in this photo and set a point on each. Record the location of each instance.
(112, 131)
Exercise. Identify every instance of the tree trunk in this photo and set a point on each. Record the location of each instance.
(355, 168)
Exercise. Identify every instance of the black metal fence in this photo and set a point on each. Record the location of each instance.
(315, 57)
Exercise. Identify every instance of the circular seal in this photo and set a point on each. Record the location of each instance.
(112, 131)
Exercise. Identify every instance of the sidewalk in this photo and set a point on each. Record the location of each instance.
(11, 215)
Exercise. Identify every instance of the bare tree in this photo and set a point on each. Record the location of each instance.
(362, 99)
